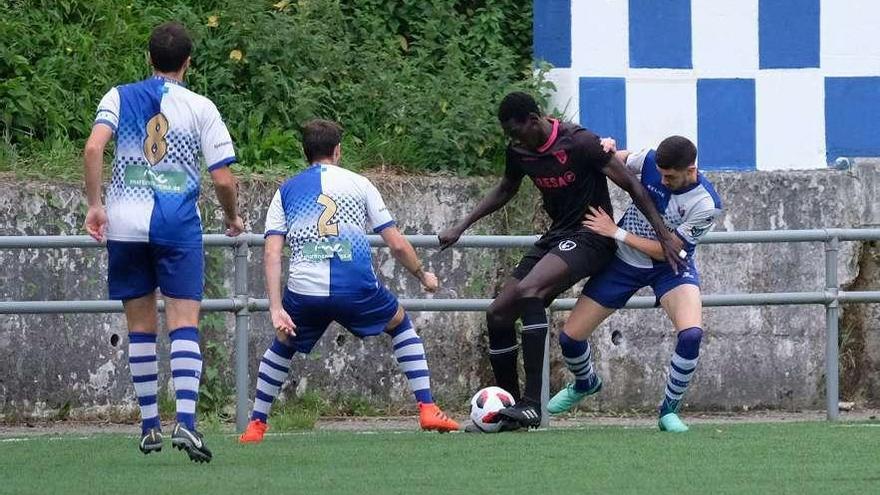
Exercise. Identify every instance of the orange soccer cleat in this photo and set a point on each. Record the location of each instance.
(432, 418)
(254, 432)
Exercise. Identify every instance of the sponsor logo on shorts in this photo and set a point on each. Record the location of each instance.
(567, 245)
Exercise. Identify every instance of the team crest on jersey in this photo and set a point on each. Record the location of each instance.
(567, 245)
(561, 156)
(702, 228)
(697, 231)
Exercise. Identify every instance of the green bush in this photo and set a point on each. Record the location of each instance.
(415, 83)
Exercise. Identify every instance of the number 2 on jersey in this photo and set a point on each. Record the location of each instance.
(325, 226)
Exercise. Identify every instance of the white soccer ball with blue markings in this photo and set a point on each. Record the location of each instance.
(485, 405)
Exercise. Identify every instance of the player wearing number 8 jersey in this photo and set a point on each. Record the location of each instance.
(152, 225)
(323, 213)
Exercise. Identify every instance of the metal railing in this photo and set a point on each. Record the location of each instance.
(243, 305)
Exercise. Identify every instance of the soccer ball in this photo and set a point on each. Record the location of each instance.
(485, 405)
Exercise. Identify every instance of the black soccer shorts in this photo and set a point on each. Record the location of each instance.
(585, 253)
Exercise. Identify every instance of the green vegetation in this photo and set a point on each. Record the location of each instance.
(415, 82)
(301, 413)
(800, 458)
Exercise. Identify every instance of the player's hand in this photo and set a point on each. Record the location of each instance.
(429, 282)
(599, 222)
(609, 145)
(234, 226)
(282, 321)
(96, 222)
(673, 249)
(449, 237)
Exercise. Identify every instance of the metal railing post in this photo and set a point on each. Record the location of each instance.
(545, 381)
(242, 324)
(832, 309)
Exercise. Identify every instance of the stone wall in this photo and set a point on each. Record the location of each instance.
(754, 357)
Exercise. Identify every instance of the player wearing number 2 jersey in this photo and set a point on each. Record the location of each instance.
(152, 225)
(323, 213)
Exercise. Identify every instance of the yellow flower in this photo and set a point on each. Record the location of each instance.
(236, 55)
(213, 21)
(281, 5)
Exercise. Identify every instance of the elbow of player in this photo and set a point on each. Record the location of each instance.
(397, 249)
(271, 258)
(225, 183)
(93, 150)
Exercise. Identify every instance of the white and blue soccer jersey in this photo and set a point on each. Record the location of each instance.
(161, 128)
(690, 212)
(323, 211)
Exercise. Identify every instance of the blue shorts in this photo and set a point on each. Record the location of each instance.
(135, 269)
(363, 315)
(613, 287)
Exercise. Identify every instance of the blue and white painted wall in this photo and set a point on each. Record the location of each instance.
(758, 84)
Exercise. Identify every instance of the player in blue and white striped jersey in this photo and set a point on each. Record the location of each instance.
(690, 207)
(322, 213)
(152, 224)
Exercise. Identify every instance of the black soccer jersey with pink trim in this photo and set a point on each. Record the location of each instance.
(567, 170)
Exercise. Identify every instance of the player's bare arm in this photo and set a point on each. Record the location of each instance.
(601, 223)
(281, 321)
(626, 180)
(226, 189)
(404, 253)
(93, 162)
(499, 196)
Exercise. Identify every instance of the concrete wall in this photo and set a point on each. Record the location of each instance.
(763, 84)
(752, 357)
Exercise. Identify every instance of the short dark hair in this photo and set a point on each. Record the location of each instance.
(517, 106)
(319, 137)
(170, 45)
(676, 152)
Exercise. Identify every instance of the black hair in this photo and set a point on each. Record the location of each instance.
(319, 137)
(170, 45)
(517, 106)
(676, 152)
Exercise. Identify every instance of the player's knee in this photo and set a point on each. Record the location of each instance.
(399, 323)
(692, 335)
(282, 337)
(531, 290)
(399, 317)
(572, 332)
(499, 315)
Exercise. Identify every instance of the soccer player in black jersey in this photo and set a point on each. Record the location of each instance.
(568, 164)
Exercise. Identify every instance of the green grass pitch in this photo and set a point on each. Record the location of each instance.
(798, 458)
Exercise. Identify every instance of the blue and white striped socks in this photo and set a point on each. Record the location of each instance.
(145, 375)
(578, 355)
(681, 369)
(186, 371)
(274, 368)
(410, 354)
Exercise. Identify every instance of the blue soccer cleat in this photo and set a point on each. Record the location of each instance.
(567, 398)
(671, 423)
